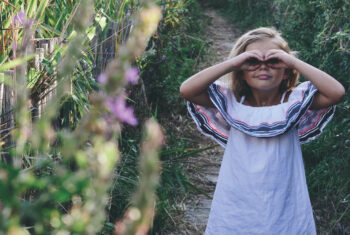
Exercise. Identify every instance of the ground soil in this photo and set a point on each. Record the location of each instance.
(203, 169)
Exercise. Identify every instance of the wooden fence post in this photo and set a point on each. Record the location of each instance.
(7, 98)
(47, 85)
(7, 118)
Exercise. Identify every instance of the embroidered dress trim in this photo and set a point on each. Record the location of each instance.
(309, 131)
(265, 121)
(263, 129)
(205, 120)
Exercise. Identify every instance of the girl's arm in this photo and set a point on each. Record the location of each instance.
(194, 88)
(330, 91)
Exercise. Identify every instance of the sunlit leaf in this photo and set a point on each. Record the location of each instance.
(5, 79)
(14, 63)
(90, 33)
(41, 9)
(101, 20)
(32, 6)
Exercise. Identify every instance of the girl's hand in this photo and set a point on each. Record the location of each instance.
(330, 91)
(280, 58)
(248, 61)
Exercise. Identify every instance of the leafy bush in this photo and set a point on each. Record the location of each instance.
(320, 32)
(170, 57)
(58, 181)
(173, 53)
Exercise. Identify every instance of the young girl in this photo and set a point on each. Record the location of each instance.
(261, 119)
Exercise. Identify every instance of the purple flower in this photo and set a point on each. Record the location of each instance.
(19, 18)
(340, 30)
(121, 111)
(163, 57)
(132, 75)
(102, 78)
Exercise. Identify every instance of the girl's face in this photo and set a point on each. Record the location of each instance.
(264, 78)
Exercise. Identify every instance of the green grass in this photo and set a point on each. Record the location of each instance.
(319, 31)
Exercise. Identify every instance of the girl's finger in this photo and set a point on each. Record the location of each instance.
(279, 66)
(252, 61)
(258, 54)
(276, 63)
(279, 57)
(254, 53)
(250, 58)
(250, 67)
(274, 51)
(280, 54)
(270, 55)
(285, 58)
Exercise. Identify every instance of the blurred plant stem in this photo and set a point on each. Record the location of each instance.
(65, 191)
(139, 217)
(22, 117)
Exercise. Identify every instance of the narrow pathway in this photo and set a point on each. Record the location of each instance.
(203, 169)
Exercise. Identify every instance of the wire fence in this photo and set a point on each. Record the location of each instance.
(104, 49)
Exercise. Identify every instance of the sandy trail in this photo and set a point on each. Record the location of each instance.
(203, 169)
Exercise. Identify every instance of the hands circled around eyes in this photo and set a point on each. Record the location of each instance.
(274, 58)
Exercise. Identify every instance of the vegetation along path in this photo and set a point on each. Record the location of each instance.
(203, 169)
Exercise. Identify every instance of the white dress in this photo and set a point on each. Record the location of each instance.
(261, 187)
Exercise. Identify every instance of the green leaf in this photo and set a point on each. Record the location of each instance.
(33, 77)
(72, 35)
(90, 33)
(5, 79)
(32, 4)
(14, 63)
(41, 9)
(101, 20)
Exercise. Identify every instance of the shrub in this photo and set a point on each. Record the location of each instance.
(320, 32)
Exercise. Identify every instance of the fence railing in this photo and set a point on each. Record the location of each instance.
(104, 50)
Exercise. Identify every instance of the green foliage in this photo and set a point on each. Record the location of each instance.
(319, 32)
(173, 182)
(172, 54)
(170, 59)
(54, 19)
(59, 179)
(327, 162)
(74, 106)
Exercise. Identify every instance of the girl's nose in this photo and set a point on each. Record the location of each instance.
(263, 66)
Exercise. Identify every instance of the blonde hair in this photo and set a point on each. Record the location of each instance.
(235, 79)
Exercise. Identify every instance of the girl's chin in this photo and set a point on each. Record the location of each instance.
(266, 87)
(264, 78)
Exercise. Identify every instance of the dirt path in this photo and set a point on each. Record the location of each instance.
(203, 169)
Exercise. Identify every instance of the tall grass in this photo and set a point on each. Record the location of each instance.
(65, 189)
(169, 59)
(319, 31)
(65, 184)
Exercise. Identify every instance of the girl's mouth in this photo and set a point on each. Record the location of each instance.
(263, 76)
